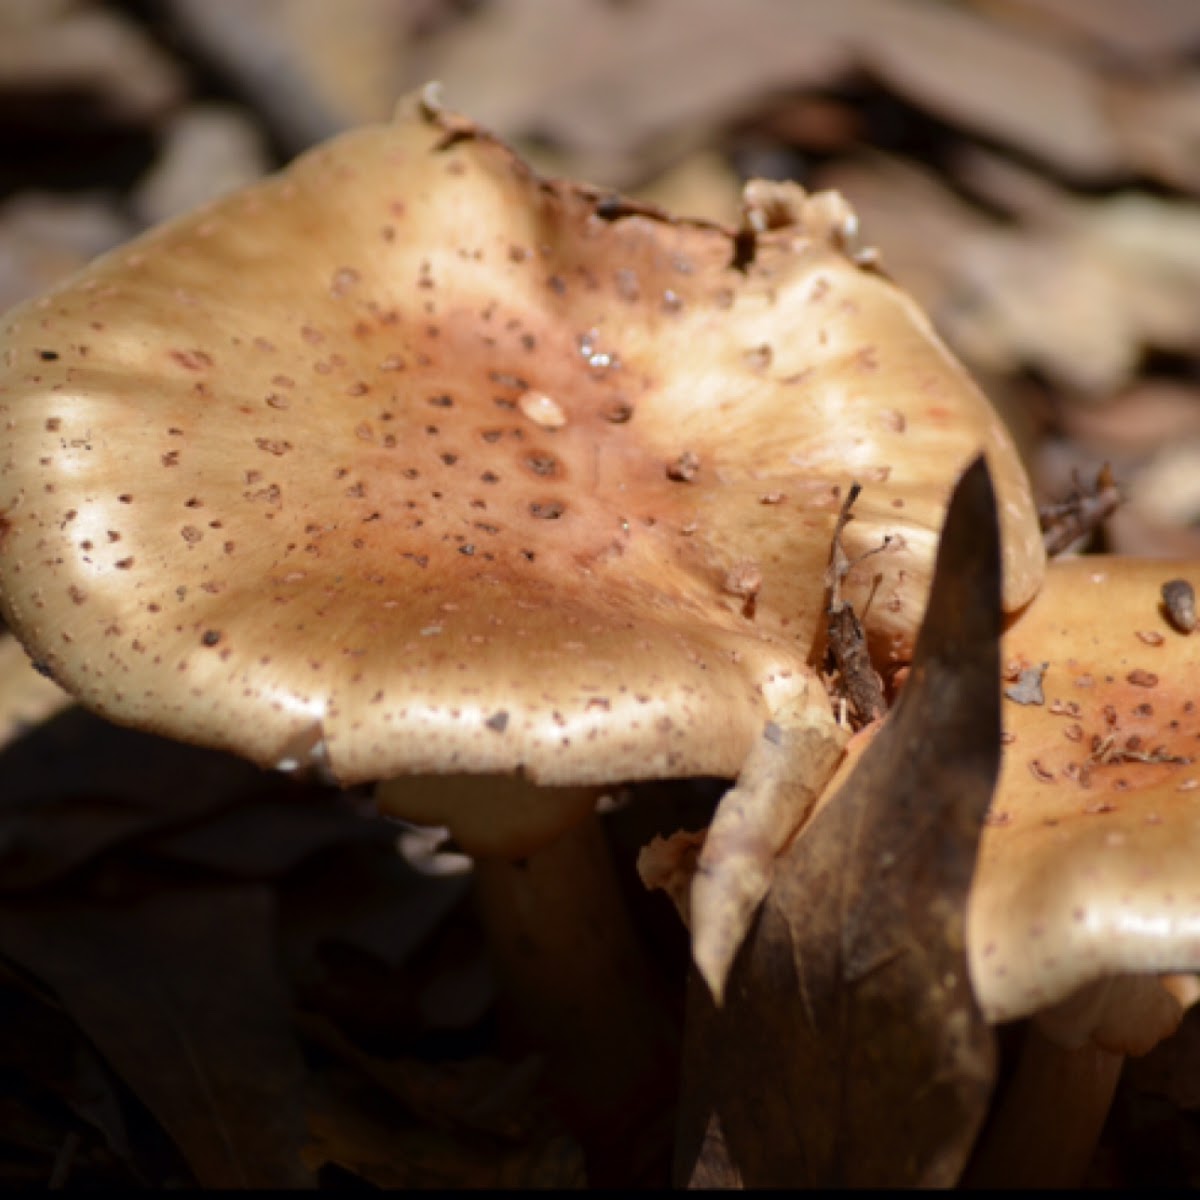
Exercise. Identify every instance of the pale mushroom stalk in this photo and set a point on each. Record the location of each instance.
(572, 964)
(1047, 1121)
(565, 950)
(405, 461)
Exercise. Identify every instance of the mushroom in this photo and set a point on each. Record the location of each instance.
(1084, 912)
(407, 463)
(1086, 899)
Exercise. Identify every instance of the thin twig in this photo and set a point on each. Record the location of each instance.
(1082, 512)
(856, 677)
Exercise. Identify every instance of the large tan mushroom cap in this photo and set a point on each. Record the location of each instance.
(1090, 866)
(406, 460)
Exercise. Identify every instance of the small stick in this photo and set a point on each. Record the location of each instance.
(857, 678)
(1083, 511)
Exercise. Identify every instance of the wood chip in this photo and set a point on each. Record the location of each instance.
(1028, 688)
(1081, 513)
(1179, 599)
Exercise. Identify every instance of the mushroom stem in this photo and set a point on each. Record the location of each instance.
(571, 964)
(1047, 1121)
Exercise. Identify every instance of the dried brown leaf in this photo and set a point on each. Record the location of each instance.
(851, 1050)
(44, 237)
(77, 786)
(1141, 31)
(45, 1052)
(180, 994)
(353, 1126)
(921, 226)
(270, 833)
(311, 68)
(1134, 423)
(480, 1095)
(366, 897)
(1165, 492)
(1077, 289)
(610, 82)
(90, 53)
(1157, 119)
(382, 950)
(965, 69)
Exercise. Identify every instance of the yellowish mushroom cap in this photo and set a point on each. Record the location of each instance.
(1089, 868)
(405, 460)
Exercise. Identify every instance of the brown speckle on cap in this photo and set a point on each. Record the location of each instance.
(684, 467)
